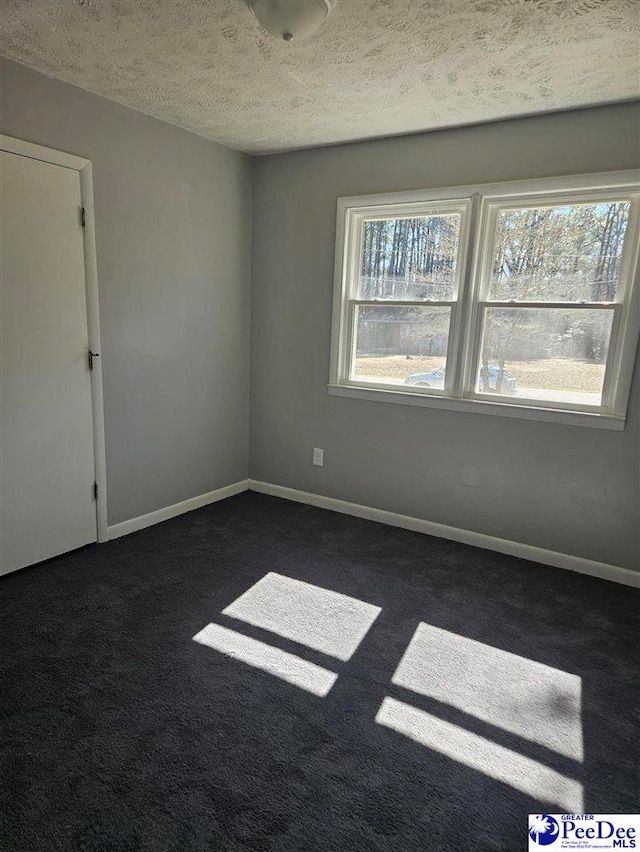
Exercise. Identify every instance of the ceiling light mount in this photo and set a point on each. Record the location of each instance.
(291, 20)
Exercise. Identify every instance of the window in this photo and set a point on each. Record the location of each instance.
(513, 299)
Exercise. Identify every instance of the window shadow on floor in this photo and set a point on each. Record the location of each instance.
(122, 732)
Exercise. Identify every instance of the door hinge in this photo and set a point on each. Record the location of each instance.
(95, 490)
(83, 219)
(90, 356)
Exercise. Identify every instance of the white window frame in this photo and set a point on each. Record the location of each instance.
(479, 205)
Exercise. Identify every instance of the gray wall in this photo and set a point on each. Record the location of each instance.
(569, 489)
(173, 215)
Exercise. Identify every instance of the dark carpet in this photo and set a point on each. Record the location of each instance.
(120, 732)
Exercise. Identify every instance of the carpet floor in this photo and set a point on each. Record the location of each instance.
(263, 675)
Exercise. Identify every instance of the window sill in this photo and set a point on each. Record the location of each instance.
(476, 406)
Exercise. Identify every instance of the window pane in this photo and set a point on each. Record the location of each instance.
(568, 252)
(410, 259)
(398, 345)
(555, 354)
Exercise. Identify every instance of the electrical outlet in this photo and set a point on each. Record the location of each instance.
(318, 457)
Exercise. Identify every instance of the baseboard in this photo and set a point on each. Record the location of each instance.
(601, 570)
(189, 505)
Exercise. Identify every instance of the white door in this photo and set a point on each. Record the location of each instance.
(46, 439)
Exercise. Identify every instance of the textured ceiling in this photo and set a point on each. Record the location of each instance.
(375, 68)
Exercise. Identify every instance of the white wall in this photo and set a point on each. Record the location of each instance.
(173, 230)
(567, 489)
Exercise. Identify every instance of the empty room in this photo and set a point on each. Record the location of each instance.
(320, 425)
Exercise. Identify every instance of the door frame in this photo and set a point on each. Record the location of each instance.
(83, 167)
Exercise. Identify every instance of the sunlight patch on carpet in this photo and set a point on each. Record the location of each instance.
(537, 702)
(324, 620)
(489, 758)
(280, 664)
